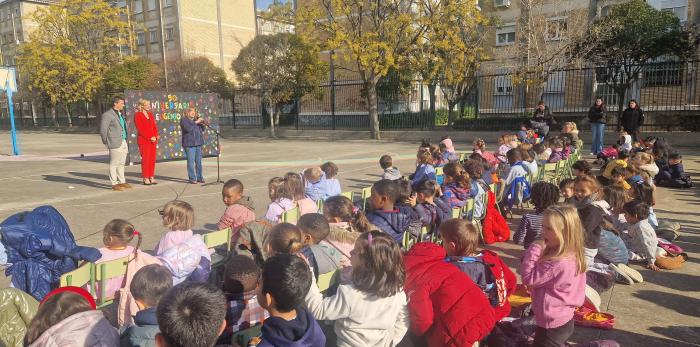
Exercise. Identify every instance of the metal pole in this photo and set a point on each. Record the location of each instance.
(332, 89)
(162, 43)
(15, 144)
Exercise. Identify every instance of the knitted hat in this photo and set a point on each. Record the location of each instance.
(448, 145)
(77, 290)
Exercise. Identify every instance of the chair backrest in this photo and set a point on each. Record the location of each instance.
(348, 195)
(218, 238)
(104, 272)
(319, 204)
(456, 212)
(291, 216)
(439, 175)
(79, 277)
(242, 337)
(408, 240)
(327, 280)
(469, 208)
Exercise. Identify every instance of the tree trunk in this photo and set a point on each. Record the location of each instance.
(431, 95)
(450, 112)
(371, 87)
(54, 118)
(271, 112)
(31, 104)
(70, 120)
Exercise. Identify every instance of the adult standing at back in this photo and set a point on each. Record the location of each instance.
(113, 133)
(632, 118)
(192, 141)
(147, 140)
(542, 119)
(596, 116)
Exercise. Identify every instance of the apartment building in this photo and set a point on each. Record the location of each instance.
(169, 30)
(16, 25)
(555, 21)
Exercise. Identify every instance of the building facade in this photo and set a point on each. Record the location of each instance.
(170, 30)
(15, 26)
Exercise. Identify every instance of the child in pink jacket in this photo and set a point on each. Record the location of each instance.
(239, 208)
(553, 269)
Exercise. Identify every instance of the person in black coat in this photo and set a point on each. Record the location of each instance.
(542, 119)
(596, 116)
(631, 119)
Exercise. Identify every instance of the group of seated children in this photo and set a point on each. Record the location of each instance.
(447, 294)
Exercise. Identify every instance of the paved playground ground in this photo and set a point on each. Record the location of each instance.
(662, 311)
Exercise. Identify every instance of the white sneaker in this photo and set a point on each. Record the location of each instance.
(619, 275)
(591, 153)
(631, 273)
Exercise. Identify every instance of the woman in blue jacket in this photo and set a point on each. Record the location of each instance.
(192, 141)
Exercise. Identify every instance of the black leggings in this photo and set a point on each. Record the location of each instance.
(554, 337)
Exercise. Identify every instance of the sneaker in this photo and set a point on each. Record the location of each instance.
(593, 154)
(117, 187)
(201, 181)
(619, 275)
(631, 273)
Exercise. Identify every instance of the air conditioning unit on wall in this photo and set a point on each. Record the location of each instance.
(501, 3)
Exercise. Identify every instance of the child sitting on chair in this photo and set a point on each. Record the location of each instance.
(333, 185)
(243, 311)
(239, 209)
(147, 287)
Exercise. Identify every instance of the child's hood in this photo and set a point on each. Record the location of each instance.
(453, 189)
(247, 202)
(301, 331)
(422, 253)
(392, 173)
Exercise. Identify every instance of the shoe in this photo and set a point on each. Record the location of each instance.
(201, 181)
(193, 182)
(620, 276)
(145, 183)
(117, 187)
(126, 185)
(631, 273)
(591, 153)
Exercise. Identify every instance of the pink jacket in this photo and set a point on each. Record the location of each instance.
(556, 289)
(89, 328)
(113, 284)
(127, 307)
(171, 239)
(307, 205)
(235, 216)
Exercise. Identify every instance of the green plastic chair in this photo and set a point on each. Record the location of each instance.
(242, 337)
(319, 204)
(328, 280)
(79, 277)
(103, 272)
(469, 208)
(456, 212)
(550, 173)
(291, 216)
(348, 195)
(408, 241)
(216, 239)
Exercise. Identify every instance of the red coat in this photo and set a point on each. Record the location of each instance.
(443, 302)
(146, 127)
(495, 228)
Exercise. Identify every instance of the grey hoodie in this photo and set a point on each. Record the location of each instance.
(392, 173)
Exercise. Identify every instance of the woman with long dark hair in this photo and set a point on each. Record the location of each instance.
(596, 116)
(632, 118)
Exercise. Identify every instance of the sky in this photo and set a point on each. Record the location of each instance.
(263, 4)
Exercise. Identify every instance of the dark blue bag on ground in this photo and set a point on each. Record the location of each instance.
(41, 247)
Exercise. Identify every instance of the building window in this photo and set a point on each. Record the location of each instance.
(152, 36)
(505, 35)
(151, 5)
(663, 74)
(503, 85)
(501, 3)
(138, 7)
(140, 38)
(167, 3)
(679, 11)
(169, 34)
(556, 28)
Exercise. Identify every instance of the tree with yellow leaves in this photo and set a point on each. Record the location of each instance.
(75, 43)
(376, 36)
(450, 49)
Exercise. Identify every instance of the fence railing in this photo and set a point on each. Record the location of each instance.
(495, 101)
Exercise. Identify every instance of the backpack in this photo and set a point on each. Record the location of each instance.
(499, 295)
(519, 190)
(188, 260)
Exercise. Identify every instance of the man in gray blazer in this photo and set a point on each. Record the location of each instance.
(113, 133)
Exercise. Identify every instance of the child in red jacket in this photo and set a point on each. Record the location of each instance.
(444, 304)
(460, 239)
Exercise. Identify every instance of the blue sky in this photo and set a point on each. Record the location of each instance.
(263, 4)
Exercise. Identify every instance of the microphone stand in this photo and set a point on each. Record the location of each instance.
(218, 145)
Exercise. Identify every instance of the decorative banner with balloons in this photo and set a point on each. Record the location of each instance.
(167, 109)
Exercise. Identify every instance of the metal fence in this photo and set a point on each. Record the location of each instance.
(495, 102)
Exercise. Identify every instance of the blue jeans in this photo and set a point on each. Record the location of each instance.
(598, 130)
(194, 162)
